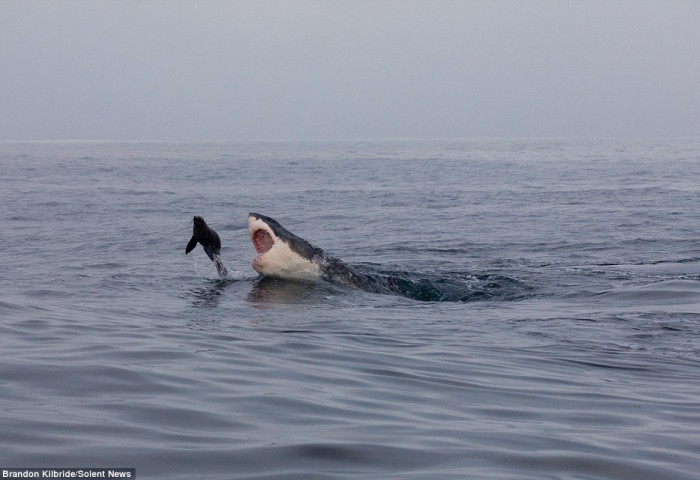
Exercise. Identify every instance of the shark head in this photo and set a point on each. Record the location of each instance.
(281, 253)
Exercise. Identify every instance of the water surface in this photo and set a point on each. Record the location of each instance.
(549, 326)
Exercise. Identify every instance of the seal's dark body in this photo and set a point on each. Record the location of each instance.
(209, 240)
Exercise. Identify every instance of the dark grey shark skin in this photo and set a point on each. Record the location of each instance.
(209, 240)
(332, 269)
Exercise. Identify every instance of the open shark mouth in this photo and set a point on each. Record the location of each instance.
(262, 241)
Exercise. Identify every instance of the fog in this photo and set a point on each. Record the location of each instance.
(316, 70)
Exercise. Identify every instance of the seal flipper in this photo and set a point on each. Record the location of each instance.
(190, 245)
(220, 266)
(209, 250)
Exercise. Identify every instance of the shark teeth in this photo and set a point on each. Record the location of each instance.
(262, 241)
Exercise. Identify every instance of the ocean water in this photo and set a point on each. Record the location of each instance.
(547, 325)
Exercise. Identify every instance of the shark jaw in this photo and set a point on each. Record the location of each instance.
(277, 255)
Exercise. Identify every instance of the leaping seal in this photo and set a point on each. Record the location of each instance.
(210, 241)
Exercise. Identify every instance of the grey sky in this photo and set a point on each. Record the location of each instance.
(226, 70)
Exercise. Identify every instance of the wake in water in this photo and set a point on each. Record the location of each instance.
(443, 286)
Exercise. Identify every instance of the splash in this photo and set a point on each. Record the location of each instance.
(217, 269)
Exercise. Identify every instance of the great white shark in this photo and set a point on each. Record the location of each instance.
(282, 254)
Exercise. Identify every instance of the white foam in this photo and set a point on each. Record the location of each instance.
(205, 268)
